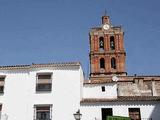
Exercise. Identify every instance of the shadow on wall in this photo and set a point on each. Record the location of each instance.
(155, 115)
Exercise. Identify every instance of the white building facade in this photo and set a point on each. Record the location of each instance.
(40, 91)
(103, 99)
(57, 91)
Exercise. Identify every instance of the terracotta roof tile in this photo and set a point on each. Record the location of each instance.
(39, 65)
(121, 99)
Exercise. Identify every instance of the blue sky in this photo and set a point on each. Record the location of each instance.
(42, 31)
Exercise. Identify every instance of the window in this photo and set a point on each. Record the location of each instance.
(113, 63)
(103, 88)
(101, 43)
(43, 112)
(2, 84)
(102, 63)
(44, 82)
(134, 113)
(106, 112)
(112, 43)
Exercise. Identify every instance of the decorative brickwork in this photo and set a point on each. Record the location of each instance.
(112, 39)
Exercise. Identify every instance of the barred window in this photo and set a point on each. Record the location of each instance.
(44, 82)
(2, 80)
(42, 112)
(134, 113)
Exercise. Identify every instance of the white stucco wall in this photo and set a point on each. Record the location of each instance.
(92, 111)
(20, 96)
(95, 90)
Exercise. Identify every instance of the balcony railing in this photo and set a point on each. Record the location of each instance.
(44, 87)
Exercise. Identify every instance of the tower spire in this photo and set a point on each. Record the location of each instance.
(105, 18)
(107, 53)
(105, 12)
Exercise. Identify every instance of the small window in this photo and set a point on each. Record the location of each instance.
(113, 63)
(102, 63)
(134, 113)
(2, 84)
(103, 88)
(101, 43)
(112, 43)
(44, 82)
(43, 112)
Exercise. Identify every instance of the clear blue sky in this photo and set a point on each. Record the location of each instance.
(42, 31)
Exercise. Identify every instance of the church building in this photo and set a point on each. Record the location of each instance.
(55, 91)
(109, 90)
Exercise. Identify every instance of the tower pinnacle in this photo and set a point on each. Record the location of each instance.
(107, 53)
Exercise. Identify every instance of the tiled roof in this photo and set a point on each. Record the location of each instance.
(121, 99)
(39, 65)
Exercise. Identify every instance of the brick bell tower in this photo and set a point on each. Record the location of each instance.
(107, 53)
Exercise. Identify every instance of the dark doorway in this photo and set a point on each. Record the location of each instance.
(106, 112)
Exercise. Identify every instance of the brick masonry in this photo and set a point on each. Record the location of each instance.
(96, 54)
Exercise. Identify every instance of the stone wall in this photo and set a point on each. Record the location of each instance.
(138, 86)
(135, 88)
(157, 88)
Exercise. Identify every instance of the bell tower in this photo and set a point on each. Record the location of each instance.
(107, 53)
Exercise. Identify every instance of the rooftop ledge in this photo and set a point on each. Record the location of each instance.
(33, 65)
(121, 99)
